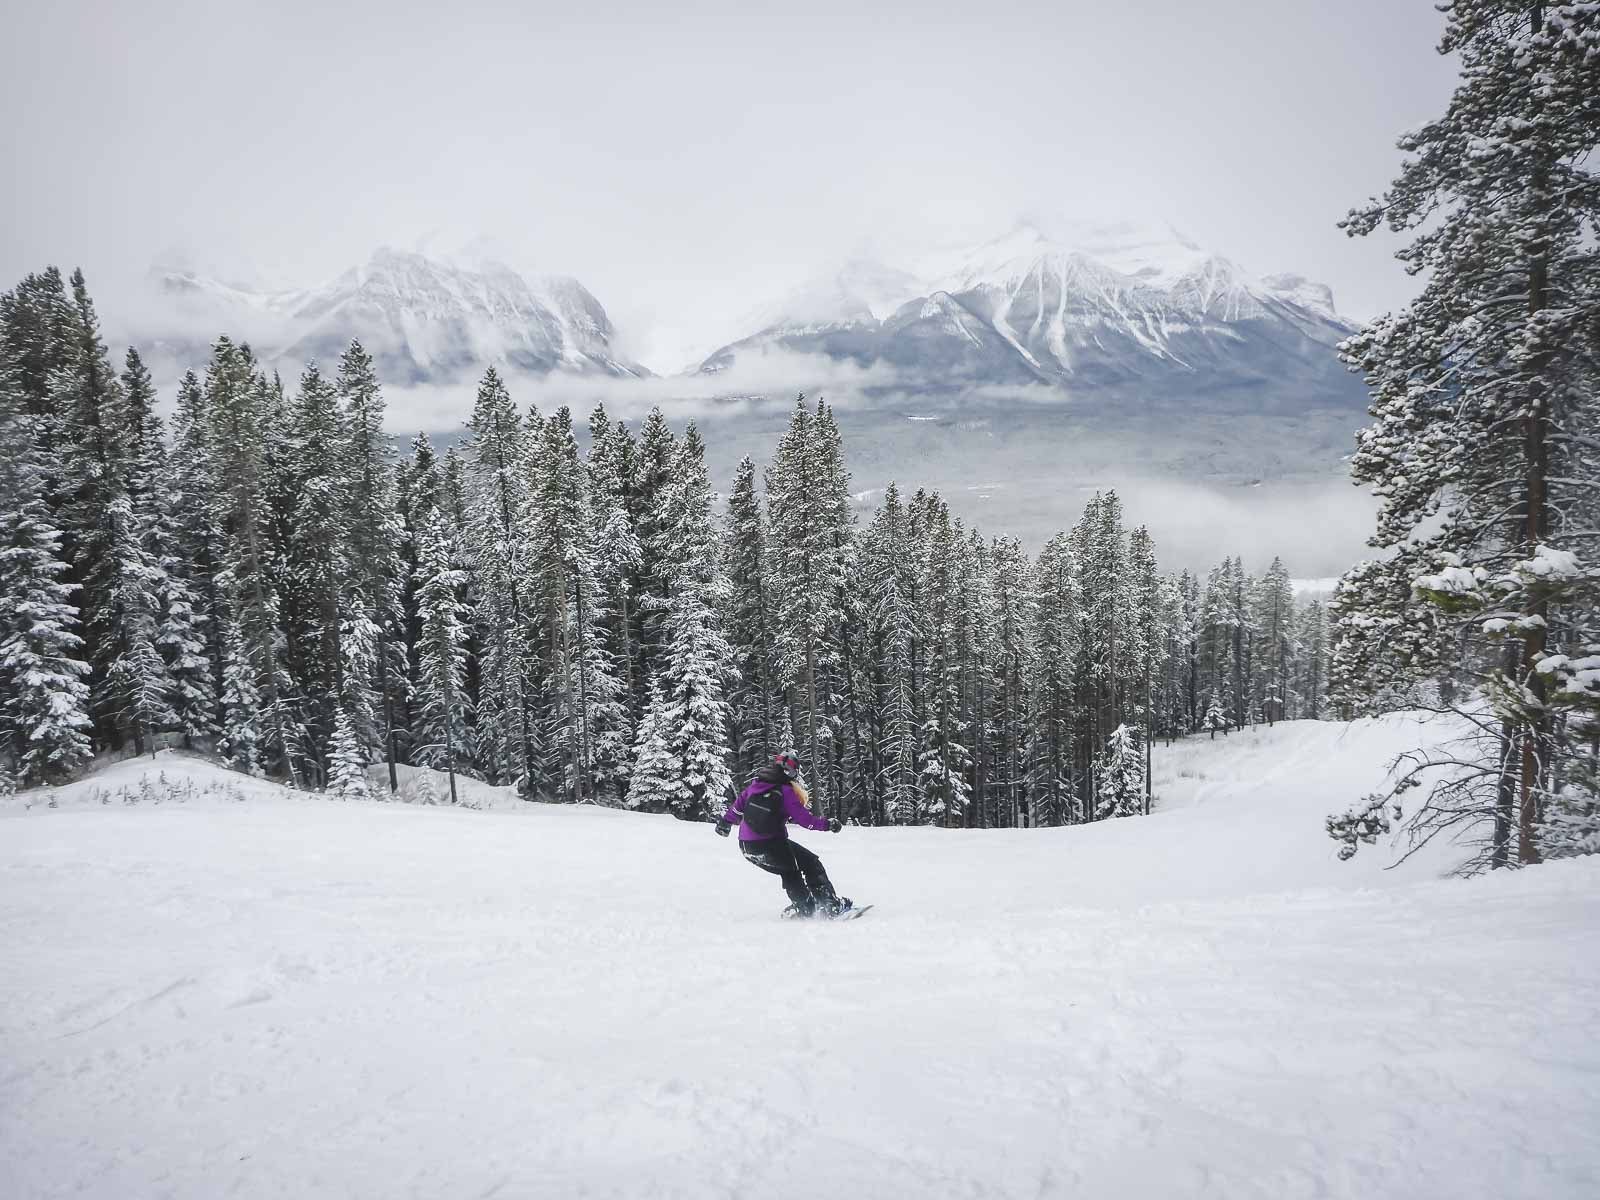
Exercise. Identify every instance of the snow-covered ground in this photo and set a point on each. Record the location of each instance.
(240, 991)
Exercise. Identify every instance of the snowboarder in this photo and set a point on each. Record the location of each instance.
(763, 811)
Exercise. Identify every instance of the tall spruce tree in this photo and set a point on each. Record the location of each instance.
(684, 748)
(496, 471)
(587, 723)
(260, 727)
(44, 698)
(193, 504)
(808, 514)
(1121, 776)
(889, 584)
(376, 537)
(442, 730)
(1483, 399)
(752, 700)
(319, 567)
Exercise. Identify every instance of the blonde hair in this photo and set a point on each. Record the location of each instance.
(800, 792)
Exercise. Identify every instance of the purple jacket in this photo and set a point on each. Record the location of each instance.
(790, 810)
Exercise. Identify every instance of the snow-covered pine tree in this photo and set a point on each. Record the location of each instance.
(613, 471)
(496, 470)
(36, 323)
(808, 522)
(419, 490)
(260, 730)
(44, 700)
(192, 507)
(1219, 668)
(888, 573)
(1121, 776)
(1274, 619)
(319, 569)
(242, 734)
(976, 651)
(182, 621)
(683, 760)
(1481, 447)
(137, 685)
(1311, 659)
(1147, 637)
(1059, 638)
(1215, 718)
(944, 756)
(747, 619)
(87, 398)
(838, 562)
(1098, 553)
(441, 733)
(375, 538)
(653, 459)
(347, 760)
(1016, 655)
(1170, 702)
(656, 777)
(587, 721)
(1242, 630)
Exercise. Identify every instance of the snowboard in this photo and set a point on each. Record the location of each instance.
(849, 914)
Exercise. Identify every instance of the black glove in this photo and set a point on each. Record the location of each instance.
(834, 825)
(722, 828)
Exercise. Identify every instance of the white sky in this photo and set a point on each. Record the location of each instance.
(690, 160)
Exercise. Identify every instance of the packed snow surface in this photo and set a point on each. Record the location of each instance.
(216, 987)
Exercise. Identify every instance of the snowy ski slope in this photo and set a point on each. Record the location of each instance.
(261, 994)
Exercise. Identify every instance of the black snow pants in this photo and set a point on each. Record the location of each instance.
(801, 871)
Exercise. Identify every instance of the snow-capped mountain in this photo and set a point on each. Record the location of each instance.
(1094, 307)
(424, 319)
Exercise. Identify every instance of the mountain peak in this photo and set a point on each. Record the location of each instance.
(1056, 301)
(423, 318)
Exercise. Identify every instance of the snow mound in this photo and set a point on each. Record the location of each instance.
(219, 986)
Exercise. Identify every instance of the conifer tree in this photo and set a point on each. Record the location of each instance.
(614, 495)
(242, 735)
(1121, 775)
(684, 737)
(347, 761)
(36, 338)
(1274, 618)
(442, 726)
(1148, 647)
(889, 584)
(1060, 642)
(653, 460)
(261, 731)
(808, 513)
(1311, 634)
(1016, 604)
(186, 676)
(376, 535)
(756, 732)
(197, 547)
(87, 398)
(944, 756)
(588, 726)
(657, 776)
(44, 699)
(319, 567)
(1483, 396)
(496, 471)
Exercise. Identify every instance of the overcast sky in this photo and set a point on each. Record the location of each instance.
(689, 160)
